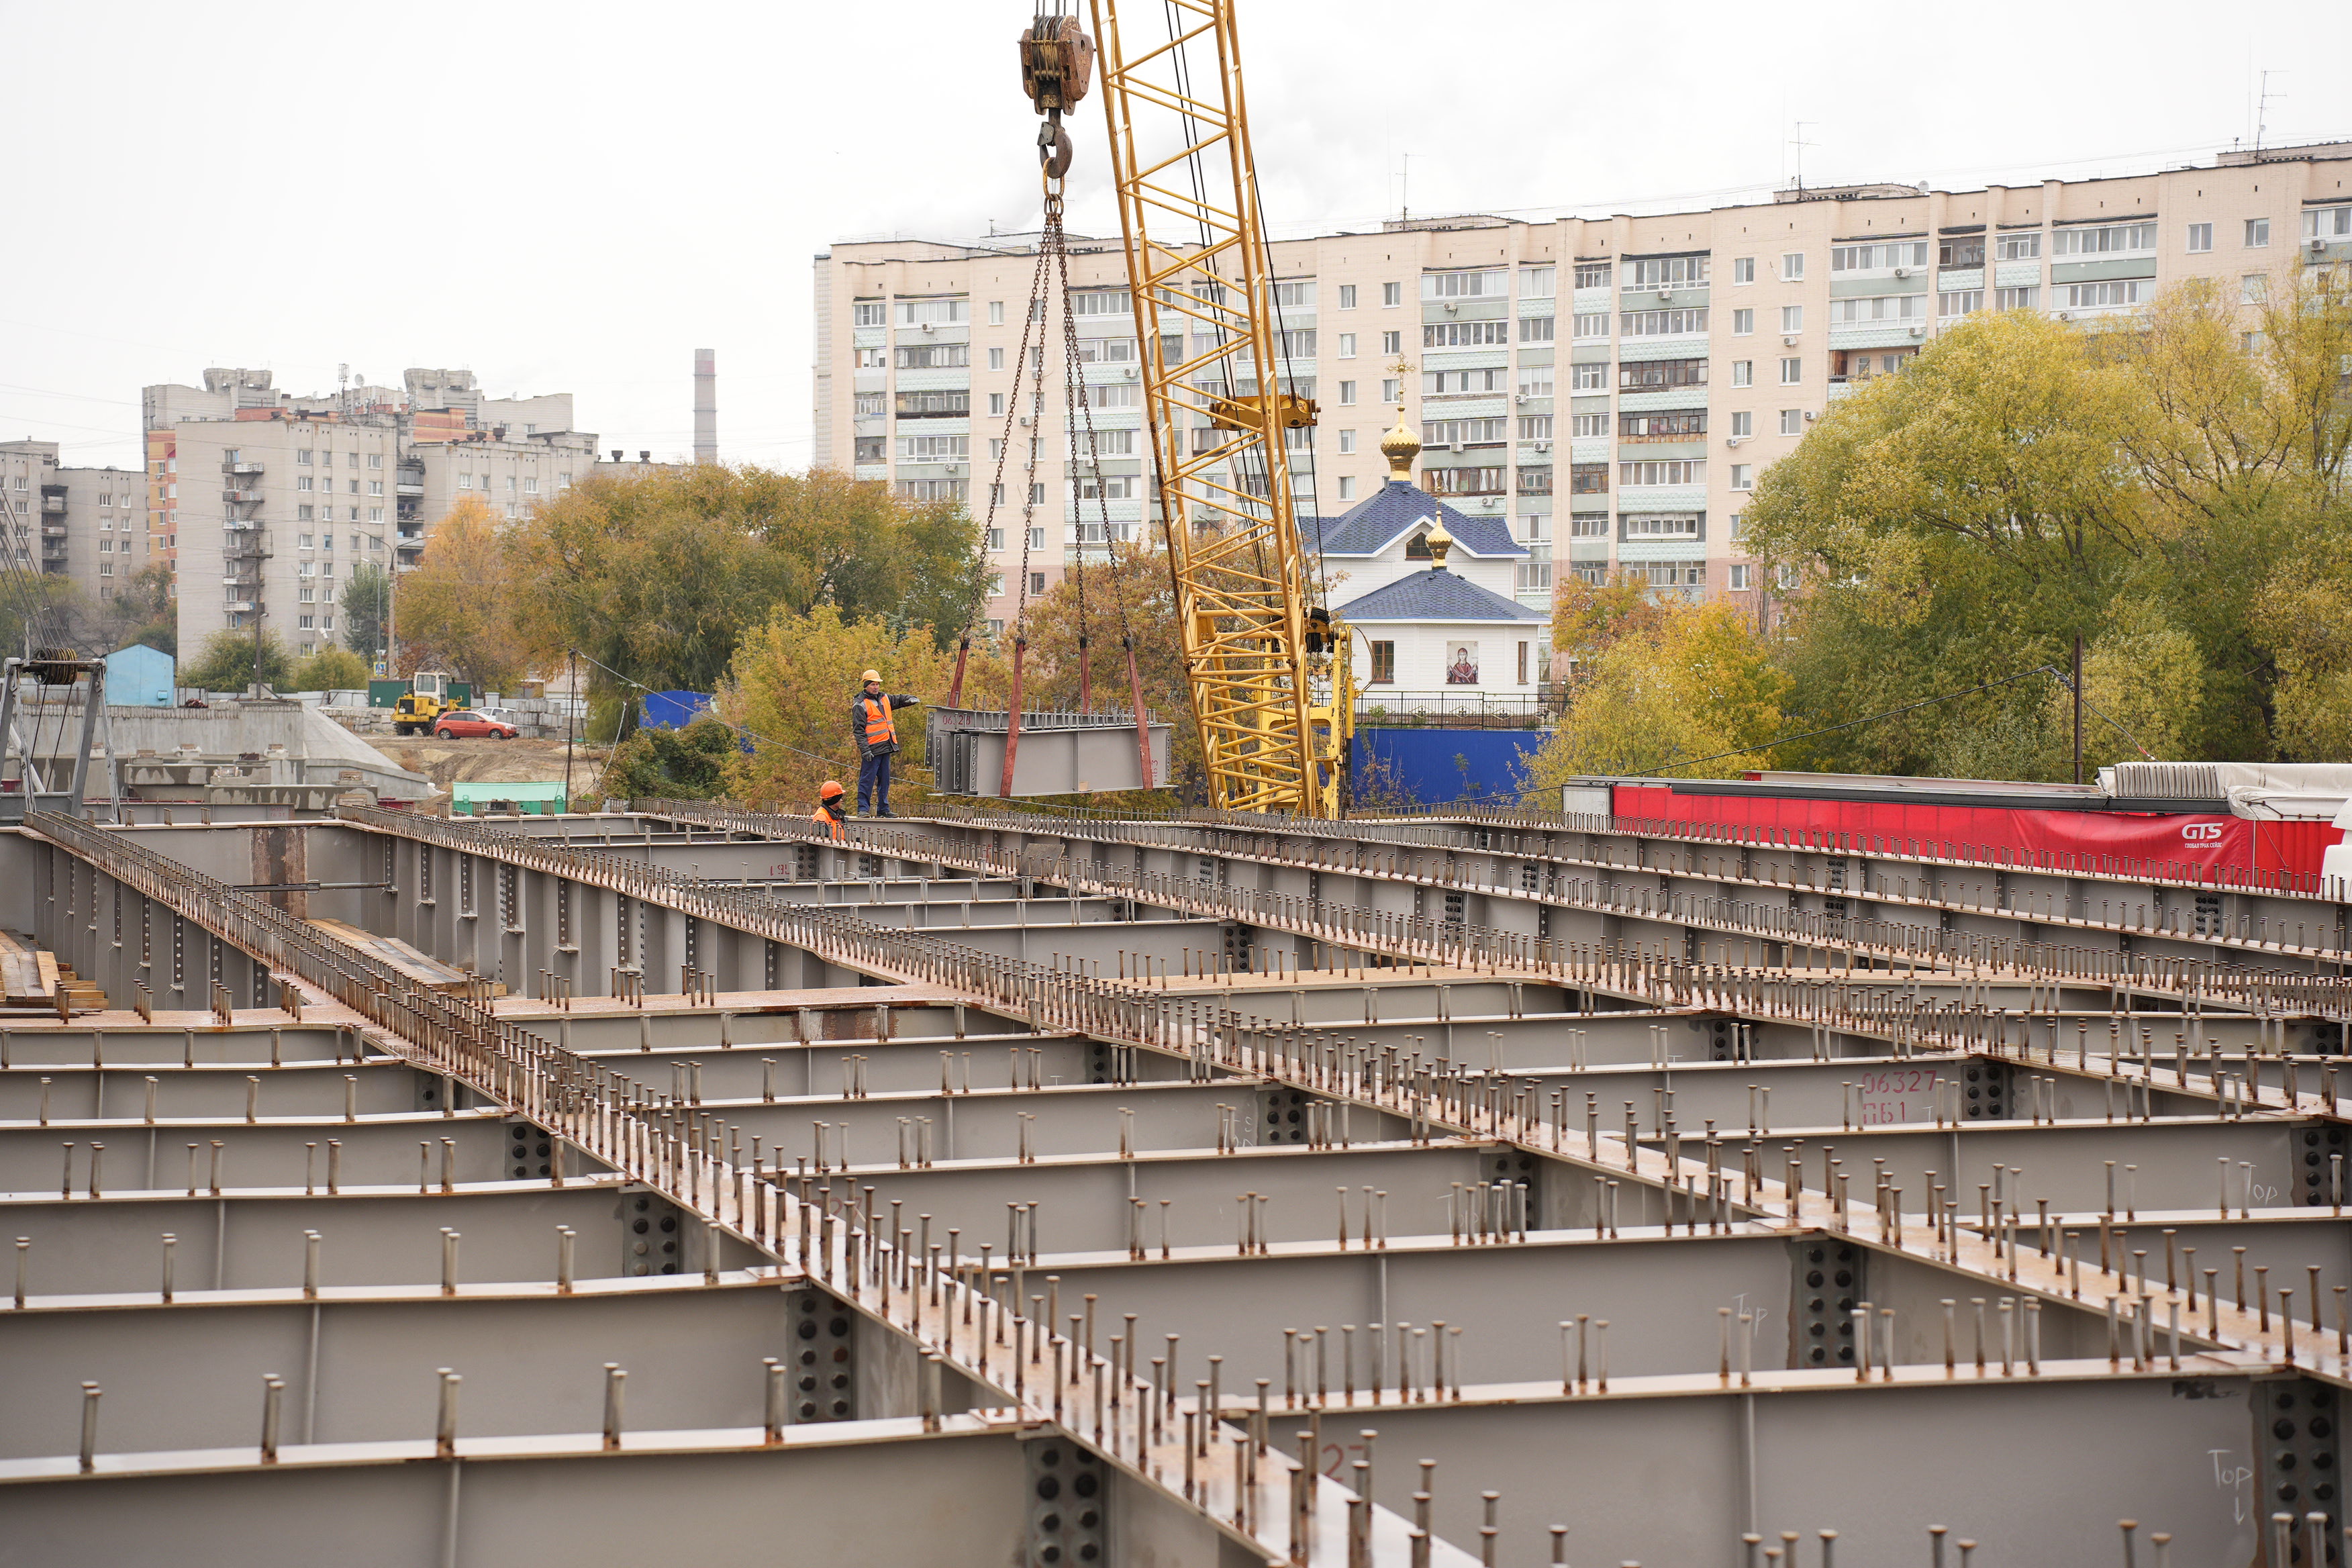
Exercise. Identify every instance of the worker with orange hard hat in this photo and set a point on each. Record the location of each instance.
(877, 734)
(828, 814)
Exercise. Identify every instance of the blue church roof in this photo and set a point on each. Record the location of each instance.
(1381, 518)
(1433, 597)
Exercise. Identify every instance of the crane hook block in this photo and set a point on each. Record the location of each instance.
(1057, 64)
(1291, 411)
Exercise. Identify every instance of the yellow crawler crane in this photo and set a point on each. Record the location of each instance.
(1272, 681)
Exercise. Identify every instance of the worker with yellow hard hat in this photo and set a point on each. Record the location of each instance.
(828, 814)
(877, 734)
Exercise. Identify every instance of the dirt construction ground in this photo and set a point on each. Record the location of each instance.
(492, 761)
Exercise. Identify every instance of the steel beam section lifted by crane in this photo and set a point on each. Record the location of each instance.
(1270, 696)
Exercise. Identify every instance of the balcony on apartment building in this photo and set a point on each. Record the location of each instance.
(408, 481)
(242, 467)
(241, 497)
(53, 502)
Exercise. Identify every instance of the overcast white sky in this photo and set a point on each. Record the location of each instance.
(575, 197)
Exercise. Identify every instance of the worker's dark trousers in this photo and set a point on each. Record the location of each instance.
(874, 783)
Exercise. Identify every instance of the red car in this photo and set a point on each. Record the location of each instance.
(472, 724)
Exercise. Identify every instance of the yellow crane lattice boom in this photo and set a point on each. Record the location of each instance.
(1270, 685)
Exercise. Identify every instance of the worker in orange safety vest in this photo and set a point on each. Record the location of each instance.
(828, 814)
(877, 734)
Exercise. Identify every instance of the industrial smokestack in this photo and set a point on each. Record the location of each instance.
(705, 406)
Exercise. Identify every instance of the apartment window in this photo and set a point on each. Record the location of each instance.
(304, 483)
(1680, 424)
(1535, 381)
(2326, 223)
(1743, 323)
(1462, 432)
(352, 459)
(1743, 373)
(1346, 442)
(1878, 257)
(1792, 422)
(1743, 269)
(1036, 582)
(1469, 334)
(1743, 476)
(376, 487)
(375, 460)
(996, 312)
(866, 313)
(1879, 308)
(1665, 525)
(1297, 343)
(1347, 296)
(1588, 377)
(1392, 343)
(1539, 328)
(2258, 232)
(1535, 427)
(2254, 288)
(2200, 236)
(1792, 266)
(1592, 275)
(1792, 318)
(1660, 375)
(1960, 250)
(376, 514)
(1660, 323)
(933, 356)
(870, 449)
(1536, 524)
(1347, 487)
(996, 359)
(870, 359)
(1959, 302)
(1393, 389)
(2105, 296)
(1743, 424)
(1469, 283)
(1478, 481)
(1108, 487)
(2018, 246)
(1591, 324)
(1663, 471)
(938, 313)
(2101, 239)
(1453, 383)
(996, 405)
(1347, 345)
(871, 404)
(1383, 664)
(1585, 426)
(1391, 294)
(1591, 525)
(1792, 370)
(304, 513)
(1737, 578)
(1588, 479)
(934, 448)
(996, 535)
(1347, 392)
(306, 456)
(1535, 480)
(934, 490)
(1666, 272)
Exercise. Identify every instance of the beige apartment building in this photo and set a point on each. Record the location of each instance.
(1614, 386)
(86, 524)
(268, 502)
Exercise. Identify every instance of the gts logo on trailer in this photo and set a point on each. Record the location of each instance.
(2200, 832)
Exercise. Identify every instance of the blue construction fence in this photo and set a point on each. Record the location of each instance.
(1434, 766)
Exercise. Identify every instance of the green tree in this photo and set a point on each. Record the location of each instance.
(658, 577)
(1680, 689)
(458, 610)
(366, 605)
(226, 663)
(331, 669)
(790, 687)
(681, 764)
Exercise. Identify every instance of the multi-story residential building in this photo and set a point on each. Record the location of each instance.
(1612, 386)
(87, 524)
(277, 498)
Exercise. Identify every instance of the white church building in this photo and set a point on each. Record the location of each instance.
(1427, 594)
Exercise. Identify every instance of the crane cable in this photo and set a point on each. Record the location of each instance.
(1085, 410)
(1020, 367)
